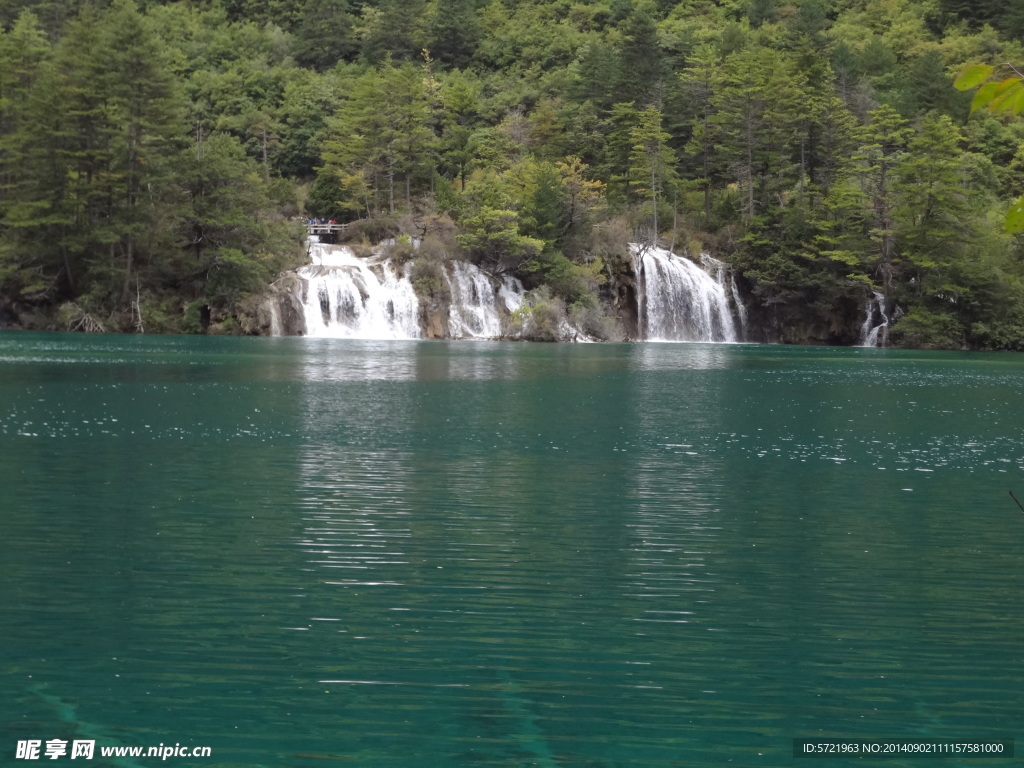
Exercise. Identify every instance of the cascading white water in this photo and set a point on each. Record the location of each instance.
(737, 302)
(346, 298)
(475, 310)
(349, 297)
(722, 275)
(512, 293)
(876, 322)
(679, 301)
(275, 319)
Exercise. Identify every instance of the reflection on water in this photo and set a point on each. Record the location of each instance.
(676, 357)
(302, 551)
(345, 361)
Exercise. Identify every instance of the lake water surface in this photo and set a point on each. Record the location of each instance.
(311, 552)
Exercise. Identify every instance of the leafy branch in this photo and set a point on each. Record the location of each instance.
(1003, 96)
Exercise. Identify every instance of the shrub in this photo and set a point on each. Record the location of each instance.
(594, 321)
(428, 280)
(362, 249)
(373, 230)
(401, 249)
(542, 317)
(922, 329)
(573, 283)
(432, 248)
(1008, 336)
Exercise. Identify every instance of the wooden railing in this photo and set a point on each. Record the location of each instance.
(325, 229)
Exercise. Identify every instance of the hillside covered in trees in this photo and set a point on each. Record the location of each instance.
(156, 159)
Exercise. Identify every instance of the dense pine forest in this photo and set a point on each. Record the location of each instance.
(157, 160)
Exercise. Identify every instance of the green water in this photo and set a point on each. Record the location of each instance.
(306, 552)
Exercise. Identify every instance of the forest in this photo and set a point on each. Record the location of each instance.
(158, 160)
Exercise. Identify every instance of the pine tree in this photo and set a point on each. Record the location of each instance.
(86, 152)
(617, 167)
(931, 213)
(33, 264)
(739, 123)
(761, 11)
(974, 12)
(929, 88)
(23, 50)
(597, 71)
(700, 80)
(652, 162)
(145, 114)
(882, 149)
(455, 32)
(1012, 22)
(324, 35)
(224, 224)
(545, 210)
(382, 132)
(397, 31)
(641, 60)
(460, 99)
(581, 196)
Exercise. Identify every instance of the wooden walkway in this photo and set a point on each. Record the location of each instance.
(325, 229)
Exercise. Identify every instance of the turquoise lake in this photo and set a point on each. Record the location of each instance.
(313, 552)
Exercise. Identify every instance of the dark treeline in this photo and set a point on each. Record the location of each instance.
(153, 156)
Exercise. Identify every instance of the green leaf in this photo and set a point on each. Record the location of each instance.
(985, 94)
(1006, 93)
(973, 76)
(1015, 103)
(1015, 217)
(1009, 101)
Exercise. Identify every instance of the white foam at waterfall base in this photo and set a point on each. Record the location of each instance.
(345, 298)
(679, 301)
(476, 309)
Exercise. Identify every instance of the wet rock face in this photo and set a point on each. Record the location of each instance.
(8, 319)
(280, 312)
(804, 325)
(434, 322)
(621, 294)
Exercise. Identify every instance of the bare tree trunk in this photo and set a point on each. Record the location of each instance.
(129, 263)
(137, 309)
(803, 169)
(391, 182)
(654, 205)
(750, 170)
(706, 171)
(675, 219)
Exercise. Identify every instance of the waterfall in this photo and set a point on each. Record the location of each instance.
(876, 322)
(476, 311)
(511, 292)
(722, 275)
(275, 319)
(350, 297)
(346, 297)
(679, 301)
(737, 302)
